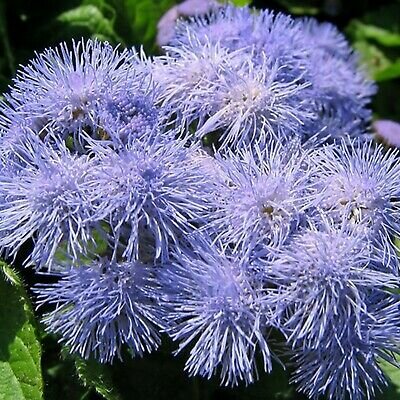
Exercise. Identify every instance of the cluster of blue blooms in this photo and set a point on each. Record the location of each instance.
(219, 193)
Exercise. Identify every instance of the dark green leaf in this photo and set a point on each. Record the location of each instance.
(97, 376)
(372, 57)
(393, 375)
(92, 19)
(392, 71)
(386, 17)
(380, 35)
(20, 352)
(137, 20)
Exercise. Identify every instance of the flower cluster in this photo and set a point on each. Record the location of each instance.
(219, 193)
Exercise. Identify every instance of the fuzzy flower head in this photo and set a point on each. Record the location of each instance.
(264, 196)
(214, 308)
(310, 61)
(228, 26)
(259, 33)
(341, 86)
(64, 90)
(230, 94)
(45, 197)
(326, 37)
(101, 307)
(347, 365)
(157, 188)
(336, 310)
(251, 104)
(360, 184)
(188, 79)
(343, 93)
(130, 112)
(322, 278)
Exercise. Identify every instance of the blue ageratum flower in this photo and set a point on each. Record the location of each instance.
(258, 33)
(264, 196)
(322, 278)
(313, 59)
(64, 89)
(360, 183)
(252, 104)
(226, 25)
(343, 89)
(349, 364)
(188, 79)
(130, 112)
(45, 196)
(152, 193)
(229, 93)
(336, 309)
(212, 307)
(326, 37)
(100, 307)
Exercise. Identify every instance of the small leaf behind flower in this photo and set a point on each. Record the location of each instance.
(97, 376)
(393, 375)
(91, 18)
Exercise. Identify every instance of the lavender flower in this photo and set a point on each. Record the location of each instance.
(274, 231)
(214, 307)
(312, 59)
(387, 131)
(265, 196)
(259, 33)
(269, 38)
(252, 104)
(360, 183)
(327, 38)
(45, 196)
(64, 90)
(188, 79)
(156, 189)
(322, 278)
(336, 311)
(130, 115)
(348, 364)
(343, 93)
(341, 86)
(166, 24)
(226, 25)
(101, 307)
(229, 92)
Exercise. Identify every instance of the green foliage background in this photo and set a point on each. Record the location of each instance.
(32, 364)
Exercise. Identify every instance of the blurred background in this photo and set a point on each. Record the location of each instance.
(373, 28)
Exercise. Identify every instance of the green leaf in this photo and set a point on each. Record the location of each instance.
(372, 57)
(9, 274)
(392, 71)
(381, 35)
(97, 376)
(136, 20)
(377, 37)
(97, 21)
(20, 351)
(393, 375)
(240, 3)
